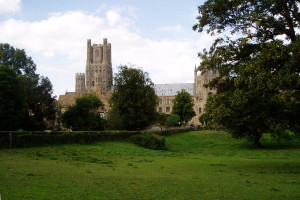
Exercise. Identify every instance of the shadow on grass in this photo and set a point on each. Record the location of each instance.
(269, 144)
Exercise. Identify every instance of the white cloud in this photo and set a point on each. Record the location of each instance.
(9, 7)
(58, 46)
(170, 28)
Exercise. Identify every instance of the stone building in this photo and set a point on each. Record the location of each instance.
(167, 92)
(98, 71)
(98, 77)
(199, 94)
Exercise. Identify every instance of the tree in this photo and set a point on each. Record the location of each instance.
(41, 108)
(172, 120)
(161, 119)
(134, 100)
(17, 60)
(258, 87)
(183, 106)
(82, 116)
(12, 104)
(37, 90)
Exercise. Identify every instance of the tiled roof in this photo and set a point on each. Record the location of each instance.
(172, 89)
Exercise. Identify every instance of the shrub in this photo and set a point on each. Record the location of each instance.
(150, 141)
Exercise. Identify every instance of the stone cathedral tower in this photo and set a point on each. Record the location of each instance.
(98, 69)
(201, 93)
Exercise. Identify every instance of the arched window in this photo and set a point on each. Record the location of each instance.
(200, 110)
(167, 109)
(93, 83)
(160, 109)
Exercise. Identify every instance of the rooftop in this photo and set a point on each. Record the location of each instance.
(172, 89)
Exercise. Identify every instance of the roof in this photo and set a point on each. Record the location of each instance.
(172, 89)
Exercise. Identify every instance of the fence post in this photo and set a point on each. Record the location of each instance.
(10, 140)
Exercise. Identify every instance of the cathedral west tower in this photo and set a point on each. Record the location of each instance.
(98, 72)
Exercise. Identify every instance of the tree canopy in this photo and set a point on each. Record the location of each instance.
(183, 106)
(17, 60)
(134, 100)
(83, 116)
(35, 91)
(258, 62)
(172, 120)
(12, 103)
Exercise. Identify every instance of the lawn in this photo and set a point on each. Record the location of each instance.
(196, 165)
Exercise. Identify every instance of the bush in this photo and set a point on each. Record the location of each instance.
(41, 138)
(150, 141)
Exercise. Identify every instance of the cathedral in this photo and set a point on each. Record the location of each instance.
(98, 78)
(98, 71)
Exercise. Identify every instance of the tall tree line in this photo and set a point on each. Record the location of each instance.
(26, 98)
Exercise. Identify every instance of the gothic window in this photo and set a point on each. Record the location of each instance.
(167, 109)
(97, 53)
(215, 71)
(160, 109)
(200, 110)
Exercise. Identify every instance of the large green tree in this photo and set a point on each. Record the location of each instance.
(259, 65)
(83, 116)
(17, 60)
(37, 90)
(12, 103)
(183, 106)
(134, 100)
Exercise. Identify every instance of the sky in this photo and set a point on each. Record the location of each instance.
(155, 35)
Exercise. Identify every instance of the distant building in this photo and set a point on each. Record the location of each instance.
(199, 94)
(98, 71)
(98, 77)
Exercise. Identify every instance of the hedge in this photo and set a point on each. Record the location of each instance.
(16, 139)
(150, 141)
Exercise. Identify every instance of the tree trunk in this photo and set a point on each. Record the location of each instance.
(257, 143)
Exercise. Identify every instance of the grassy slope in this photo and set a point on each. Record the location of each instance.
(198, 165)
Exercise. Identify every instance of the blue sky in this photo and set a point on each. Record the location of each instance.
(155, 35)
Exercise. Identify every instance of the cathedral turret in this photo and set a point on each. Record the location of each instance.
(98, 66)
(80, 82)
(195, 79)
(89, 52)
(105, 52)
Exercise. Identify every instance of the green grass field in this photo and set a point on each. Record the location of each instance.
(197, 165)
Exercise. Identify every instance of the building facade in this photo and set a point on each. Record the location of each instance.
(199, 93)
(98, 71)
(98, 77)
